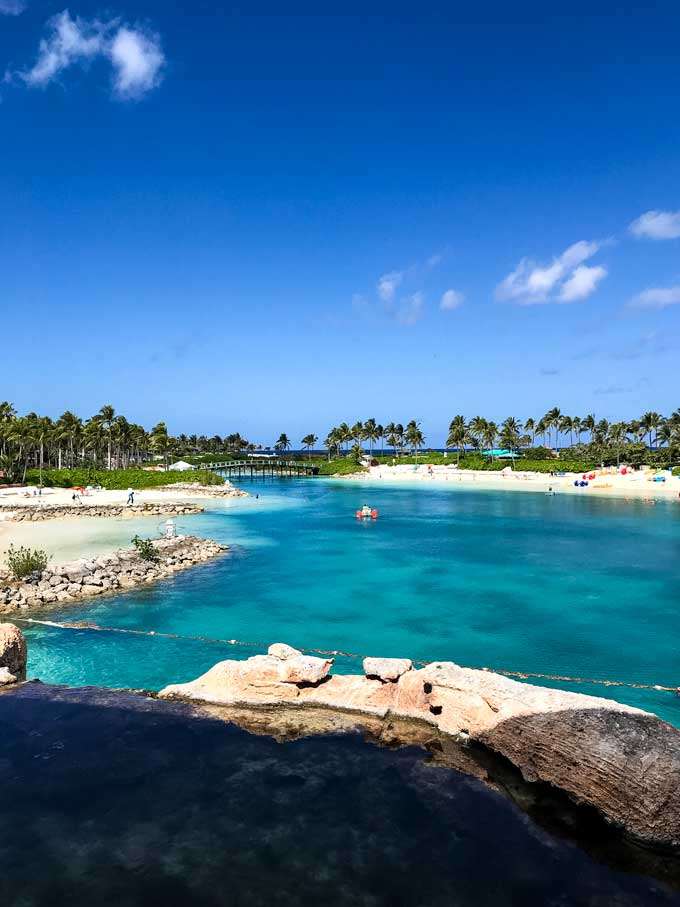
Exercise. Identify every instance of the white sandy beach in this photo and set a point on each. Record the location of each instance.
(74, 536)
(640, 484)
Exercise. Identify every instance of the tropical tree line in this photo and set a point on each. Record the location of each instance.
(107, 439)
(555, 429)
(344, 438)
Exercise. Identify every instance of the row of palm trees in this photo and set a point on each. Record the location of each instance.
(394, 434)
(105, 439)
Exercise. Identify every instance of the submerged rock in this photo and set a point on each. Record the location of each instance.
(618, 759)
(12, 653)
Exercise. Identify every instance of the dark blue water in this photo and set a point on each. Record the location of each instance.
(562, 585)
(116, 800)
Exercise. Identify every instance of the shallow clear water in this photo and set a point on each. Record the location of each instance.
(557, 584)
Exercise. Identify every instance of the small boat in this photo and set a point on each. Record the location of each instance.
(367, 513)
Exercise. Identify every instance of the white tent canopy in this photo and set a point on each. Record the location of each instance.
(180, 466)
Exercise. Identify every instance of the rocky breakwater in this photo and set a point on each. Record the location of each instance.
(620, 760)
(18, 513)
(12, 655)
(88, 577)
(195, 489)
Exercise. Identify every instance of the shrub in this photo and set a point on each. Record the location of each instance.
(22, 562)
(119, 479)
(146, 549)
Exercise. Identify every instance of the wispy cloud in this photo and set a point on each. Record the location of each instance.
(388, 285)
(410, 309)
(134, 54)
(12, 7)
(533, 284)
(656, 298)
(451, 299)
(657, 225)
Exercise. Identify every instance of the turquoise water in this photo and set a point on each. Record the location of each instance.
(521, 581)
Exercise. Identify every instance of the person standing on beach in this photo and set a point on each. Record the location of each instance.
(131, 496)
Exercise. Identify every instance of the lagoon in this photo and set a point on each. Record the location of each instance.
(584, 587)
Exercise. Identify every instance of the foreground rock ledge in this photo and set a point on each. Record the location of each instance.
(89, 577)
(620, 760)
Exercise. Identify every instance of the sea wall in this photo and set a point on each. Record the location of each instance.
(195, 489)
(89, 577)
(20, 512)
(620, 760)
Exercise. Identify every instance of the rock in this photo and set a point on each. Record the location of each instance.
(6, 678)
(304, 669)
(86, 590)
(13, 651)
(387, 669)
(282, 651)
(618, 759)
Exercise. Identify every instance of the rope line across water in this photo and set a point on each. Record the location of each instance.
(334, 653)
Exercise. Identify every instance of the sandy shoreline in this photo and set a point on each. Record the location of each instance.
(635, 485)
(87, 536)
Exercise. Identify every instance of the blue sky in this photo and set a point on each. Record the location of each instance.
(249, 219)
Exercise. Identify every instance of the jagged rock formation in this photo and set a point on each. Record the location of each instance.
(620, 760)
(195, 489)
(12, 654)
(89, 577)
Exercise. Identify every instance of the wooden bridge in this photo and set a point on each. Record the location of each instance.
(261, 468)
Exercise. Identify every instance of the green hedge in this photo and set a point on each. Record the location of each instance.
(341, 467)
(118, 478)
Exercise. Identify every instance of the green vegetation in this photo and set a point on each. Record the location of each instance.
(22, 562)
(119, 478)
(146, 549)
(342, 466)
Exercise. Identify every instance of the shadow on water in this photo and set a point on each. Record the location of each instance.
(111, 798)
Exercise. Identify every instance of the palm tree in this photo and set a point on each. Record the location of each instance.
(105, 417)
(476, 430)
(283, 443)
(617, 436)
(651, 422)
(333, 441)
(530, 426)
(510, 433)
(414, 436)
(344, 433)
(370, 433)
(552, 420)
(566, 426)
(458, 435)
(160, 441)
(309, 441)
(357, 432)
(489, 435)
(577, 425)
(588, 424)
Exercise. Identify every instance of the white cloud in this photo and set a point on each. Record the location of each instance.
(657, 225)
(451, 299)
(582, 283)
(136, 56)
(410, 309)
(434, 260)
(388, 284)
(138, 61)
(12, 7)
(656, 298)
(531, 284)
(70, 41)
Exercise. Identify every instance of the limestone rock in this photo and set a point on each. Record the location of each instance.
(304, 669)
(282, 651)
(387, 669)
(13, 650)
